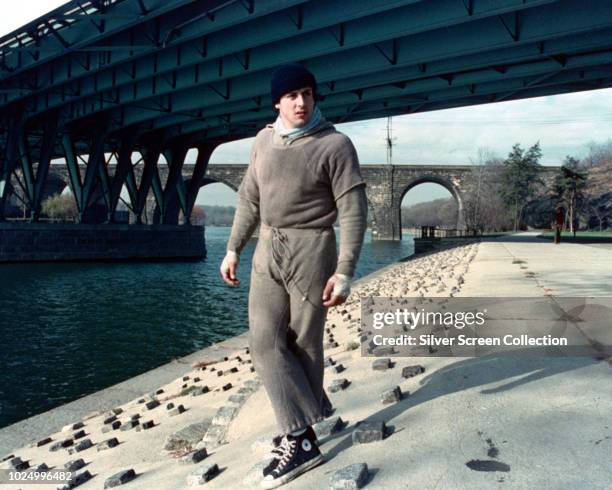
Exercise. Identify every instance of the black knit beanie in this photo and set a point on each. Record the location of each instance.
(289, 77)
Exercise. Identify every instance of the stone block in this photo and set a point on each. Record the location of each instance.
(237, 399)
(120, 478)
(61, 444)
(17, 464)
(76, 481)
(177, 411)
(383, 351)
(149, 424)
(81, 446)
(187, 437)
(410, 371)
(350, 477)
(368, 431)
(225, 415)
(74, 465)
(112, 426)
(328, 427)
(76, 426)
(188, 389)
(215, 436)
(381, 364)
(338, 368)
(150, 405)
(338, 385)
(391, 396)
(253, 383)
(130, 424)
(202, 475)
(79, 434)
(107, 444)
(193, 457)
(200, 390)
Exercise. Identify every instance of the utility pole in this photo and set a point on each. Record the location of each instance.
(390, 140)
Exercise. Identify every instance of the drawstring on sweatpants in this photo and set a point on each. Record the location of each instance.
(280, 250)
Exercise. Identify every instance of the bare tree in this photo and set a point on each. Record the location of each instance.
(60, 207)
(484, 208)
(598, 162)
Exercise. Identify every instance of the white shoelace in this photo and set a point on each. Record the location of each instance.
(285, 450)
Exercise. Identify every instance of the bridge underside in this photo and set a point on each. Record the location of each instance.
(128, 81)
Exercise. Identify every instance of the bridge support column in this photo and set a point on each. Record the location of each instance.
(188, 194)
(34, 183)
(124, 168)
(83, 190)
(386, 223)
(384, 210)
(167, 197)
(8, 163)
(150, 156)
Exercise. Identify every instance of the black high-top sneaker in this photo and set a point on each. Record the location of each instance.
(277, 452)
(297, 454)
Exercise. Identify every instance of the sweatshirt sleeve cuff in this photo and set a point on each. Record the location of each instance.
(345, 268)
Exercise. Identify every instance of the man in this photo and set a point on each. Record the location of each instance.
(302, 175)
(558, 223)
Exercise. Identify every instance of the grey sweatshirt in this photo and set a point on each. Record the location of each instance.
(305, 182)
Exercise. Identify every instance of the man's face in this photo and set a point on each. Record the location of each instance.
(296, 107)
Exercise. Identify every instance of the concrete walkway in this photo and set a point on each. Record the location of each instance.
(567, 269)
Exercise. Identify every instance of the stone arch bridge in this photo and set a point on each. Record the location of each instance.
(386, 187)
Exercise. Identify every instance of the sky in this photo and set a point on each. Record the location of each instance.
(563, 124)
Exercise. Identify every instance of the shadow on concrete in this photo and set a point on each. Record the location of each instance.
(466, 374)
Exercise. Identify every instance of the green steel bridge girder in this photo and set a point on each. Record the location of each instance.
(371, 61)
(333, 70)
(240, 54)
(200, 39)
(126, 28)
(416, 94)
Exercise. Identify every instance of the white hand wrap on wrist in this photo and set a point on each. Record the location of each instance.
(342, 285)
(230, 258)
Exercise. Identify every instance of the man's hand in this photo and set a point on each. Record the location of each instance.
(336, 290)
(228, 268)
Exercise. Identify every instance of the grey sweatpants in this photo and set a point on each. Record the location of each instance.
(287, 318)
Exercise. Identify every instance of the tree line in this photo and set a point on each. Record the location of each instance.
(510, 194)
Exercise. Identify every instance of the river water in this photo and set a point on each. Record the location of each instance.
(70, 329)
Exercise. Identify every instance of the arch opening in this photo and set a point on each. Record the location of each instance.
(429, 202)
